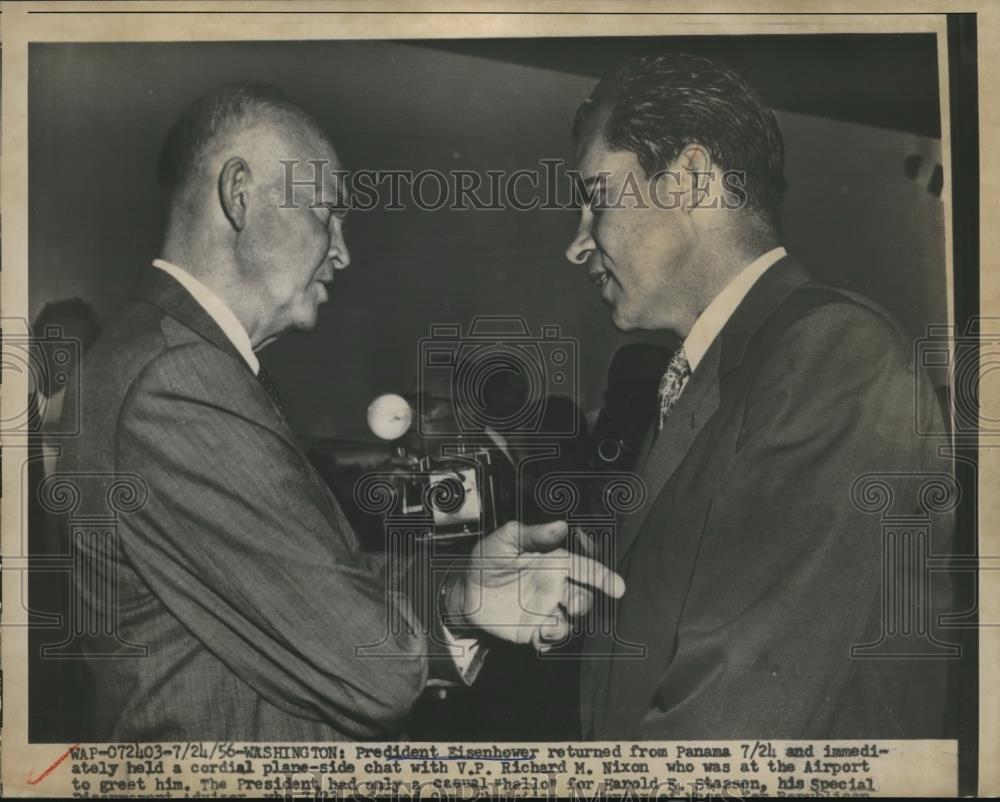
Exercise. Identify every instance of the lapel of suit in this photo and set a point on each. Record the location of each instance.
(763, 300)
(695, 406)
(164, 292)
(646, 446)
(700, 398)
(664, 454)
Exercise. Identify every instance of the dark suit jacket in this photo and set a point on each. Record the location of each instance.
(750, 572)
(239, 574)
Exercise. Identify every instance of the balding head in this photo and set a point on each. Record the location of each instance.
(230, 219)
(220, 120)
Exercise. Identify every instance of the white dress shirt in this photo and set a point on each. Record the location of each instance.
(216, 309)
(710, 322)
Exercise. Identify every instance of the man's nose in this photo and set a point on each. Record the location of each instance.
(583, 244)
(339, 255)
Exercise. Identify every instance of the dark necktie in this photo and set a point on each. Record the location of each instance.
(265, 381)
(672, 383)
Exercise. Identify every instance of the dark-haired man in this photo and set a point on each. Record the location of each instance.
(750, 573)
(237, 603)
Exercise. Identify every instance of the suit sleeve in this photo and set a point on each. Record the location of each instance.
(243, 544)
(789, 571)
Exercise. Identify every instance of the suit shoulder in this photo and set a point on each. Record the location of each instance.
(818, 316)
(143, 340)
(129, 337)
(823, 337)
(191, 365)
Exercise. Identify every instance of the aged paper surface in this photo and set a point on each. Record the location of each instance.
(44, 42)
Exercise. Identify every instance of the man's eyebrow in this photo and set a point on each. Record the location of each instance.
(586, 190)
(334, 188)
(340, 204)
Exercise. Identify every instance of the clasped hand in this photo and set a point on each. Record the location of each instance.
(522, 586)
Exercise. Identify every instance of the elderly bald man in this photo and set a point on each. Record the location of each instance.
(255, 612)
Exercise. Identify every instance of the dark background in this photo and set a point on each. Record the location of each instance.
(860, 116)
(859, 113)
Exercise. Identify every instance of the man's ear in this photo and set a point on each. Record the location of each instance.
(234, 180)
(697, 169)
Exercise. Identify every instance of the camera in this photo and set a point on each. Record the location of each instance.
(463, 491)
(459, 495)
(500, 377)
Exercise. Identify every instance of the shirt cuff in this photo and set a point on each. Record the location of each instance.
(468, 655)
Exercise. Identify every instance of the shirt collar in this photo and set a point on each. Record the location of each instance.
(710, 322)
(216, 309)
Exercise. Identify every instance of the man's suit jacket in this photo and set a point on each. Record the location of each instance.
(239, 575)
(749, 571)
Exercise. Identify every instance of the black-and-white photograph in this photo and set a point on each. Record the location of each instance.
(600, 389)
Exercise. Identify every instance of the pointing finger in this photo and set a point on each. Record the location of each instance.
(585, 571)
(584, 541)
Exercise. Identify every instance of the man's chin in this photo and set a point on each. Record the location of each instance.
(307, 320)
(620, 321)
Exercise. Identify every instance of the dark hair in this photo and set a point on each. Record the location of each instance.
(211, 115)
(656, 105)
(56, 313)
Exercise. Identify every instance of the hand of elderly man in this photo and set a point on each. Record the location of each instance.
(521, 585)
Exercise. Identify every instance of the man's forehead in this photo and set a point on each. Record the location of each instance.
(591, 149)
(317, 157)
(312, 144)
(595, 160)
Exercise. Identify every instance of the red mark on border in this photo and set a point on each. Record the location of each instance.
(51, 768)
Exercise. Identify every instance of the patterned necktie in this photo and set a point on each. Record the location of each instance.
(265, 381)
(672, 383)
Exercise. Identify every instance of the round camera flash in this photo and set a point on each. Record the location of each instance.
(389, 416)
